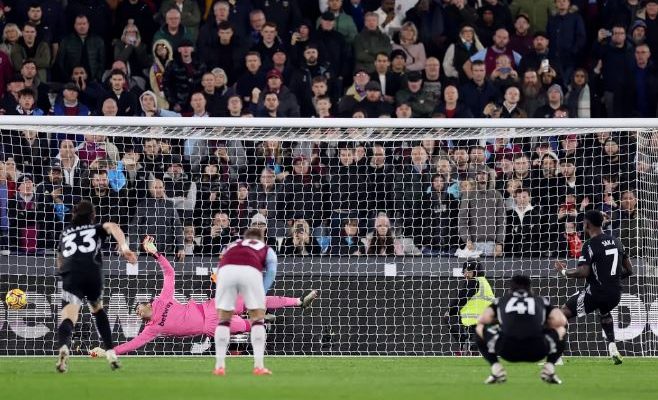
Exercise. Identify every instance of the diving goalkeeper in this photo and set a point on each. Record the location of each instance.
(165, 316)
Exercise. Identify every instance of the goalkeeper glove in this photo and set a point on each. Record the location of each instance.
(97, 352)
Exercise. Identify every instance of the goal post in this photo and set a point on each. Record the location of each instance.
(379, 215)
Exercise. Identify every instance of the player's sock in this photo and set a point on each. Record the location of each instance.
(103, 326)
(555, 356)
(239, 325)
(258, 342)
(492, 358)
(64, 333)
(276, 302)
(607, 324)
(222, 336)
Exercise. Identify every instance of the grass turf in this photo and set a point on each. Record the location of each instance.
(311, 378)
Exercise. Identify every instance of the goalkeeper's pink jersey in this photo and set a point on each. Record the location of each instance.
(171, 318)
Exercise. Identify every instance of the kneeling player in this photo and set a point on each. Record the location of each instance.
(165, 316)
(521, 327)
(603, 263)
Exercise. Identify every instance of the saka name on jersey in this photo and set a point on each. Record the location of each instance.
(605, 254)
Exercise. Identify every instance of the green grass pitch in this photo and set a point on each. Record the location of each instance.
(310, 378)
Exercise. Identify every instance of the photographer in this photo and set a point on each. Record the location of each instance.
(299, 240)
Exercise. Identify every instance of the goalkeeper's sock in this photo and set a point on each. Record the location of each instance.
(607, 324)
(222, 336)
(258, 342)
(492, 358)
(64, 333)
(103, 326)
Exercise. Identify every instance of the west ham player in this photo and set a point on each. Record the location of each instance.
(603, 263)
(240, 272)
(165, 316)
(80, 265)
(521, 327)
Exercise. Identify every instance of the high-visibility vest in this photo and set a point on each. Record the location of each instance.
(478, 303)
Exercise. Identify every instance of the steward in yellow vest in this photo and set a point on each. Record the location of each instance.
(472, 299)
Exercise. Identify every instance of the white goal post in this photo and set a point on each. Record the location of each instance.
(377, 214)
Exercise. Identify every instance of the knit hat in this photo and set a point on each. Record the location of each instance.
(557, 87)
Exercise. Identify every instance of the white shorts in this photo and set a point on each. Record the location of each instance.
(239, 279)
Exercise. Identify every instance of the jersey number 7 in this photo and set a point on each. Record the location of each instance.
(615, 260)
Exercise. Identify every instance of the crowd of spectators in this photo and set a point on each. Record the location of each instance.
(328, 58)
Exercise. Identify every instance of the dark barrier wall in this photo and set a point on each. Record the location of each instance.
(355, 314)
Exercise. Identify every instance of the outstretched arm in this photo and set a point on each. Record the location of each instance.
(147, 335)
(116, 232)
(167, 270)
(270, 269)
(581, 271)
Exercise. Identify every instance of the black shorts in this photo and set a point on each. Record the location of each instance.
(76, 287)
(531, 349)
(583, 303)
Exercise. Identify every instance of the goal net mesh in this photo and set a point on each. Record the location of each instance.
(378, 220)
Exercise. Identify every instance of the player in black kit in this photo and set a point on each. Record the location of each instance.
(80, 265)
(603, 264)
(521, 327)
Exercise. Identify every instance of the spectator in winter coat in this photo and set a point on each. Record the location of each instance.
(190, 15)
(82, 48)
(458, 53)
(566, 31)
(613, 54)
(415, 51)
(523, 227)
(478, 91)
(172, 31)
(482, 218)
(157, 217)
(162, 55)
(369, 42)
(182, 76)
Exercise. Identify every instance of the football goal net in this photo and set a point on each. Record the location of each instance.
(380, 216)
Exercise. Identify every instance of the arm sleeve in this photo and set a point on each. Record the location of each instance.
(270, 269)
(448, 67)
(586, 255)
(168, 273)
(148, 334)
(479, 56)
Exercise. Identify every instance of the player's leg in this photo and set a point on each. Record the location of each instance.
(258, 338)
(68, 318)
(303, 302)
(254, 299)
(70, 311)
(486, 338)
(225, 298)
(222, 339)
(608, 326)
(105, 330)
(555, 335)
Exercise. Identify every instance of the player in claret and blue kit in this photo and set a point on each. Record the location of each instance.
(165, 316)
(247, 268)
(603, 264)
(521, 327)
